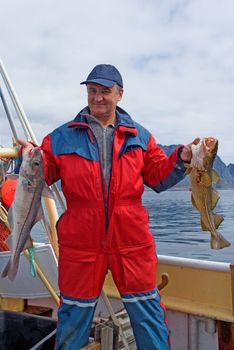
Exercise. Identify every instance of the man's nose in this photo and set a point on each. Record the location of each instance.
(98, 97)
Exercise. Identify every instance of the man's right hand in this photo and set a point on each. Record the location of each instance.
(27, 146)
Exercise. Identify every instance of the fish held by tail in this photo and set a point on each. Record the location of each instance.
(12, 265)
(11, 269)
(204, 196)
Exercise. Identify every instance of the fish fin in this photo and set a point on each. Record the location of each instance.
(218, 242)
(214, 198)
(206, 179)
(11, 269)
(215, 176)
(6, 269)
(218, 219)
(47, 192)
(39, 215)
(193, 202)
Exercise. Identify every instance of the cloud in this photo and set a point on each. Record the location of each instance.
(176, 58)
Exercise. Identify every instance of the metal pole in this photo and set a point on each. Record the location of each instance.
(114, 318)
(24, 121)
(15, 100)
(8, 114)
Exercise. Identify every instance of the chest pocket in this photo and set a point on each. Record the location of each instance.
(132, 144)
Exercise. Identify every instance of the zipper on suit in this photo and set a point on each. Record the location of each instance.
(104, 152)
(102, 176)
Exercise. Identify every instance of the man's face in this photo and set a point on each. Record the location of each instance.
(102, 101)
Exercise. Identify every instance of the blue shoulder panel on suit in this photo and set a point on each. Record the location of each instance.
(65, 140)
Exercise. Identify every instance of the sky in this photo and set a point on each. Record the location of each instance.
(176, 58)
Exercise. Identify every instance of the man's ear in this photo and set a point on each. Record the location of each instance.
(120, 94)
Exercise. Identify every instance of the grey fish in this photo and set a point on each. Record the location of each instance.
(204, 196)
(26, 208)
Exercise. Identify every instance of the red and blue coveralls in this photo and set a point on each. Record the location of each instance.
(103, 230)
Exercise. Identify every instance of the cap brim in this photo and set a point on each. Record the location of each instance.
(103, 82)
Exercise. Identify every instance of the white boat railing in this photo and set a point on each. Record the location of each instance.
(196, 287)
(194, 263)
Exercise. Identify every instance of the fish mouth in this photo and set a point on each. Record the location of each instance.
(206, 146)
(210, 142)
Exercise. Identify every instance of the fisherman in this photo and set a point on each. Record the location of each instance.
(103, 159)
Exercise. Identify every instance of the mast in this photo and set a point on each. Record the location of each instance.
(24, 121)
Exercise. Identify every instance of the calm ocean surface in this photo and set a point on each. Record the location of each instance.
(175, 225)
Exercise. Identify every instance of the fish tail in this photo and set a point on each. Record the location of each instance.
(219, 242)
(11, 269)
(6, 269)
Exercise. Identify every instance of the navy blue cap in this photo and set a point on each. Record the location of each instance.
(104, 74)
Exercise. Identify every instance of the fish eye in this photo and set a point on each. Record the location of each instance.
(36, 163)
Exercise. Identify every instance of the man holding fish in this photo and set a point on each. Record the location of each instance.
(103, 159)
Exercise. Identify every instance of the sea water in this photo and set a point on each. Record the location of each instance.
(175, 225)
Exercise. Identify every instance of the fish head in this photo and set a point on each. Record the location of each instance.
(203, 153)
(32, 165)
(211, 149)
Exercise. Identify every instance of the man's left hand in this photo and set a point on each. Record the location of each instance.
(186, 154)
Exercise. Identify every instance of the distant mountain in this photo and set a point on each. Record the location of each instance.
(226, 173)
(226, 178)
(231, 169)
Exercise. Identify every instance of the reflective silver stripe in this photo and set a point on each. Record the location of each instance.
(143, 298)
(78, 303)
